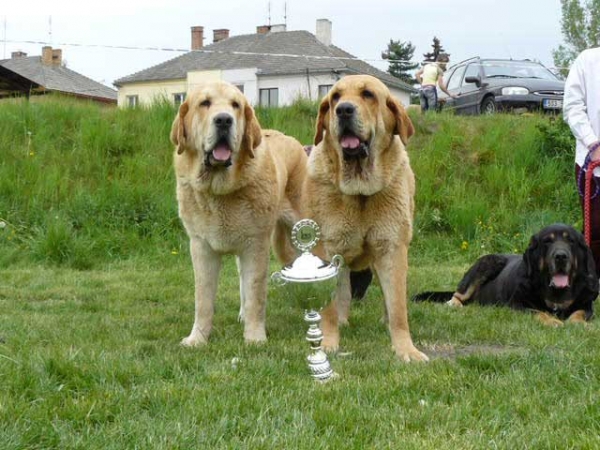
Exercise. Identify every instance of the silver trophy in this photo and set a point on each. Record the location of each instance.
(308, 268)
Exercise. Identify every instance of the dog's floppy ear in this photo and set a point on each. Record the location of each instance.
(404, 127)
(178, 132)
(586, 263)
(322, 119)
(252, 131)
(532, 255)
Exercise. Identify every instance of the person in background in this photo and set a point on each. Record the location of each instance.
(429, 77)
(581, 110)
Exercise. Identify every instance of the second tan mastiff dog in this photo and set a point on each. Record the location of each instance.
(360, 189)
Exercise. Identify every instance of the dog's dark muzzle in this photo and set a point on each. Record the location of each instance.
(360, 152)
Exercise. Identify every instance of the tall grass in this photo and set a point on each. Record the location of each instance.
(82, 185)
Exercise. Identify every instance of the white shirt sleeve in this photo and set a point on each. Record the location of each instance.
(575, 105)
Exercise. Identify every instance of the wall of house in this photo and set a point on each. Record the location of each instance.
(403, 96)
(195, 77)
(292, 87)
(150, 91)
(245, 78)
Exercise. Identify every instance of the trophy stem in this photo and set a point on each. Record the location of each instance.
(318, 363)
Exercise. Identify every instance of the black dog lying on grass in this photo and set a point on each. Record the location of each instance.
(555, 277)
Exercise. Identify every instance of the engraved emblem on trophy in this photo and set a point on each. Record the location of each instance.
(304, 271)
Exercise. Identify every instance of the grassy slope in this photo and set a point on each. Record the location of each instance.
(89, 359)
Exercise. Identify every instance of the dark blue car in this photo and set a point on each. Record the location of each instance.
(485, 86)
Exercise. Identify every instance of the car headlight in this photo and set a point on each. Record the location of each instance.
(513, 90)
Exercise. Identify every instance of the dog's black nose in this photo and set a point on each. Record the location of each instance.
(223, 120)
(345, 110)
(561, 256)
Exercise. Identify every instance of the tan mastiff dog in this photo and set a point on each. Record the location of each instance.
(237, 187)
(360, 190)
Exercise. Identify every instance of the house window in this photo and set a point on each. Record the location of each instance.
(178, 98)
(269, 97)
(132, 101)
(324, 89)
(240, 87)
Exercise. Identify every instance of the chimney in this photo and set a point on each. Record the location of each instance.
(51, 57)
(263, 29)
(278, 28)
(324, 31)
(219, 35)
(56, 56)
(18, 54)
(197, 38)
(47, 55)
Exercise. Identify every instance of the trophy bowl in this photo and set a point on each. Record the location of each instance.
(306, 280)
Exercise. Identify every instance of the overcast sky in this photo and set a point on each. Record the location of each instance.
(466, 28)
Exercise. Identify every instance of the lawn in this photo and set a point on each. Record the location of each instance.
(92, 360)
(96, 291)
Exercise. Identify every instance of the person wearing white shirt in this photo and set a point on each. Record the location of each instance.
(581, 110)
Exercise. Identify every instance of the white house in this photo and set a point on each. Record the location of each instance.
(273, 67)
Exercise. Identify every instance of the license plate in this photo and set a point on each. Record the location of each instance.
(552, 104)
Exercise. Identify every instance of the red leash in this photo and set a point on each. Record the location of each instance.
(587, 201)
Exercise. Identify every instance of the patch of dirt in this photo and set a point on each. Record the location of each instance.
(451, 352)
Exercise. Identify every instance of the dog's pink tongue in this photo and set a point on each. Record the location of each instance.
(560, 281)
(350, 142)
(221, 152)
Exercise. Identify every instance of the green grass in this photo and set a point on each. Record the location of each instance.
(96, 291)
(91, 360)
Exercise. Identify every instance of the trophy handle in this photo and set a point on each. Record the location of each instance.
(337, 261)
(278, 279)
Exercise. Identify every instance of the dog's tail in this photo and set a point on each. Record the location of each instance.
(432, 296)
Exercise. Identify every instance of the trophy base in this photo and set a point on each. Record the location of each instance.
(318, 363)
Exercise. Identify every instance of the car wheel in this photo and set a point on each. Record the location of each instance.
(488, 106)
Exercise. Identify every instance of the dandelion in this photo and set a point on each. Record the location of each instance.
(31, 153)
(464, 245)
(174, 252)
(2, 224)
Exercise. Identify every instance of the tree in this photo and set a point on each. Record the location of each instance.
(400, 55)
(580, 25)
(437, 49)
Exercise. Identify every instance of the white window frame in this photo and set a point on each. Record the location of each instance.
(178, 98)
(271, 92)
(132, 101)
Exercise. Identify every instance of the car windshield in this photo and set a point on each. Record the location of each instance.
(516, 69)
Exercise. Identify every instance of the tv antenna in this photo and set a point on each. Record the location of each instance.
(4, 55)
(269, 10)
(285, 13)
(50, 29)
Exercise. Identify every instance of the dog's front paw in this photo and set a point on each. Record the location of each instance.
(410, 353)
(549, 320)
(454, 302)
(255, 336)
(195, 339)
(331, 344)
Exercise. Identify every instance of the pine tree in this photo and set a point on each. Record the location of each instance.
(400, 55)
(580, 24)
(437, 49)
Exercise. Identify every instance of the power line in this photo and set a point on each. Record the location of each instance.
(224, 52)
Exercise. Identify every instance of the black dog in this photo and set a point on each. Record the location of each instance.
(555, 277)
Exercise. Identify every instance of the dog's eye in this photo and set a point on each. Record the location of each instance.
(235, 105)
(335, 97)
(367, 94)
(205, 103)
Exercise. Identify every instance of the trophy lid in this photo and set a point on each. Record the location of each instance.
(308, 267)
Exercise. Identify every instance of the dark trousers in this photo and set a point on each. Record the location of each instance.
(594, 222)
(429, 99)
